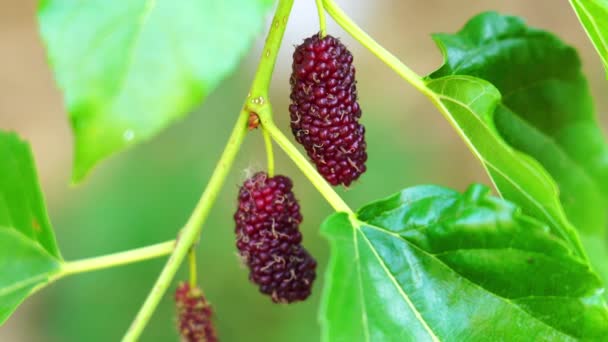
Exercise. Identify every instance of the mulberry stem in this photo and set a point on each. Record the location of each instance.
(192, 268)
(269, 152)
(116, 259)
(263, 75)
(384, 55)
(321, 10)
(309, 171)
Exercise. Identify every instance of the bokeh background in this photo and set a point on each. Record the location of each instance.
(145, 194)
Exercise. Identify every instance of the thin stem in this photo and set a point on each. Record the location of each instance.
(321, 11)
(261, 83)
(269, 152)
(192, 263)
(384, 55)
(315, 178)
(117, 259)
(192, 229)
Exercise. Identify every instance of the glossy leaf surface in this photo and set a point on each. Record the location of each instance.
(546, 108)
(545, 111)
(469, 104)
(430, 264)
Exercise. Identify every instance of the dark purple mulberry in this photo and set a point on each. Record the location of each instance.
(324, 109)
(194, 315)
(269, 240)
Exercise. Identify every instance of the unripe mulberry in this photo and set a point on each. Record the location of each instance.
(269, 241)
(194, 315)
(324, 109)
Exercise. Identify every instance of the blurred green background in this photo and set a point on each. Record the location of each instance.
(144, 195)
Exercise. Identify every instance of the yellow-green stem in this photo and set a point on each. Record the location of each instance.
(384, 55)
(192, 267)
(263, 75)
(300, 160)
(117, 259)
(321, 11)
(269, 152)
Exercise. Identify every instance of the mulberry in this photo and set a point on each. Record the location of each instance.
(269, 240)
(324, 109)
(194, 315)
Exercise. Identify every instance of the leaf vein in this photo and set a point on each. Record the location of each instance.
(506, 300)
(400, 290)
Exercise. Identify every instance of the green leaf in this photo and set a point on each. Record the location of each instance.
(130, 68)
(593, 14)
(25, 266)
(29, 256)
(21, 202)
(469, 104)
(546, 111)
(430, 264)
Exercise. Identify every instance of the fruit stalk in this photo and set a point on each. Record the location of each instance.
(302, 163)
(193, 281)
(321, 11)
(362, 37)
(269, 152)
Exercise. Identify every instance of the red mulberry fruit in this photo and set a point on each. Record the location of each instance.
(324, 109)
(194, 315)
(269, 240)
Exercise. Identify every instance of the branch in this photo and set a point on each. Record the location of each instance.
(300, 160)
(191, 231)
(116, 259)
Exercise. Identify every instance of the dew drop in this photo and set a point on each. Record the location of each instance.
(128, 135)
(258, 100)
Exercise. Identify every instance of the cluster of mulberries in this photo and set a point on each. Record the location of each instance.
(194, 315)
(269, 240)
(324, 109)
